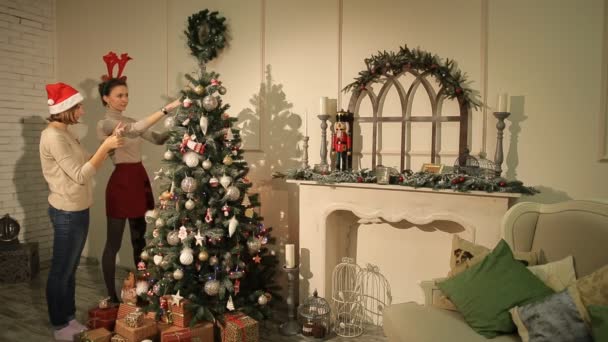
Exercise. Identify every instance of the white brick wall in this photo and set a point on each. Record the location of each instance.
(27, 63)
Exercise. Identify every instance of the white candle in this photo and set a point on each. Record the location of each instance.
(323, 105)
(290, 258)
(306, 124)
(332, 107)
(503, 100)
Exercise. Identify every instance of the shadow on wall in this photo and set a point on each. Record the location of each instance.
(271, 123)
(515, 119)
(31, 190)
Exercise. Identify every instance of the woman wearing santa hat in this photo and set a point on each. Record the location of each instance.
(128, 193)
(68, 171)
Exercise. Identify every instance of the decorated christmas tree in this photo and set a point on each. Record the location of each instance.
(208, 245)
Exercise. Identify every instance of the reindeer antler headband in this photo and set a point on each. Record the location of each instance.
(111, 59)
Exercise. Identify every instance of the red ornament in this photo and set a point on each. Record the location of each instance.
(257, 259)
(461, 179)
(400, 179)
(359, 179)
(502, 184)
(215, 82)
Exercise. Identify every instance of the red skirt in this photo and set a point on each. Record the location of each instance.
(129, 194)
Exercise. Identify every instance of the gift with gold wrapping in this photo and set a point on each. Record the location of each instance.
(201, 332)
(118, 338)
(146, 330)
(135, 319)
(179, 315)
(239, 328)
(95, 335)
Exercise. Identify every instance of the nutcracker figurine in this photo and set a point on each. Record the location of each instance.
(341, 145)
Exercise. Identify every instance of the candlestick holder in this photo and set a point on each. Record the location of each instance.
(291, 327)
(323, 167)
(305, 152)
(500, 126)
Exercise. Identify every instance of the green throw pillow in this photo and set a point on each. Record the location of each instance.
(599, 322)
(485, 292)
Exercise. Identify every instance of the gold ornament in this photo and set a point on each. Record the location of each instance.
(199, 89)
(249, 212)
(203, 256)
(227, 160)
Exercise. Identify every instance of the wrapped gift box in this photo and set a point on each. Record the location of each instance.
(96, 323)
(125, 309)
(109, 313)
(118, 338)
(147, 330)
(201, 332)
(95, 335)
(240, 328)
(181, 317)
(135, 319)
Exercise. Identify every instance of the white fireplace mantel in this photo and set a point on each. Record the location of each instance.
(327, 214)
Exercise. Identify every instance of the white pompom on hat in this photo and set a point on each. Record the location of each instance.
(62, 97)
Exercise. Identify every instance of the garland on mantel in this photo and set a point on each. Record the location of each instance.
(388, 64)
(454, 181)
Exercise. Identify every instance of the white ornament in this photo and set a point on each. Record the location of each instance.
(230, 304)
(183, 233)
(159, 222)
(233, 193)
(158, 259)
(168, 155)
(187, 102)
(199, 238)
(204, 123)
(262, 300)
(213, 182)
(191, 159)
(225, 181)
(189, 204)
(151, 215)
(178, 274)
(186, 257)
(141, 287)
(232, 224)
(189, 184)
(144, 256)
(246, 202)
(169, 122)
(207, 164)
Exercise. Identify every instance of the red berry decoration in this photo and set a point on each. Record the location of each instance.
(502, 184)
(400, 179)
(461, 179)
(458, 91)
(359, 179)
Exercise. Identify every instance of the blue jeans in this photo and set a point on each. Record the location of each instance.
(71, 229)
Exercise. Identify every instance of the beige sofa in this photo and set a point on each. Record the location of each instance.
(577, 228)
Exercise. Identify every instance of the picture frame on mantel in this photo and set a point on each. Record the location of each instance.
(432, 168)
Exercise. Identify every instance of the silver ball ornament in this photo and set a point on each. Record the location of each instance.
(173, 238)
(213, 260)
(207, 164)
(144, 256)
(169, 122)
(168, 155)
(262, 300)
(189, 184)
(199, 89)
(254, 245)
(210, 102)
(233, 193)
(159, 222)
(212, 287)
(222, 90)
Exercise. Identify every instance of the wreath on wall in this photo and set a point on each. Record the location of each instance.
(388, 64)
(206, 35)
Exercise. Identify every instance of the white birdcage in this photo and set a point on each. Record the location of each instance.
(346, 297)
(375, 294)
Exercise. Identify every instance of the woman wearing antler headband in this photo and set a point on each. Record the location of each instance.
(128, 193)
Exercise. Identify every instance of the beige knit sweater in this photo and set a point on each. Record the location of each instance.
(66, 169)
(133, 132)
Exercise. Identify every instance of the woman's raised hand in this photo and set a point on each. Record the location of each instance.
(171, 106)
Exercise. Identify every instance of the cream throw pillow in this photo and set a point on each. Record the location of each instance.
(558, 275)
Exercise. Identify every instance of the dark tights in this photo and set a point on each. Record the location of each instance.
(116, 227)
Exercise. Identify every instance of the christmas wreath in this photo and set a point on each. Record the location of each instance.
(206, 35)
(388, 64)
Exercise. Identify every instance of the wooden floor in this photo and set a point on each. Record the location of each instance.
(23, 316)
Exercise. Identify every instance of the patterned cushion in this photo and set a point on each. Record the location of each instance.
(552, 319)
(558, 275)
(593, 288)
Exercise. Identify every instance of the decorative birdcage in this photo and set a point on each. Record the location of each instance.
(469, 165)
(375, 294)
(314, 315)
(346, 297)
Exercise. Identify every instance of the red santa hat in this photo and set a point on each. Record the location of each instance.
(62, 97)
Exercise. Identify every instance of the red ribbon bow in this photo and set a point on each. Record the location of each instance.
(236, 319)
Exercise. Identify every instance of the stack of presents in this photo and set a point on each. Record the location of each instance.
(129, 323)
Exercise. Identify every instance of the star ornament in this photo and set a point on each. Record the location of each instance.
(158, 174)
(199, 238)
(257, 259)
(176, 298)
